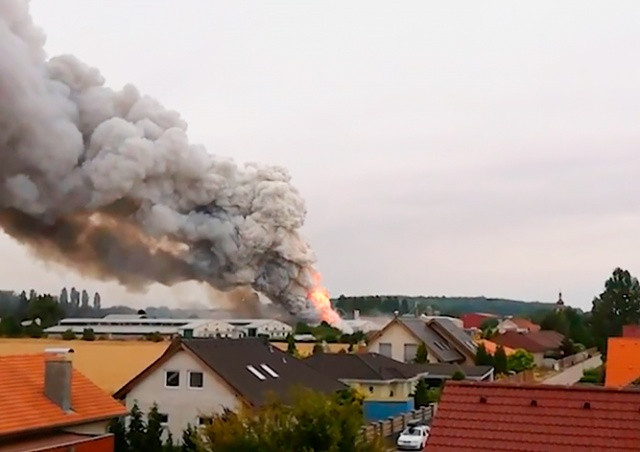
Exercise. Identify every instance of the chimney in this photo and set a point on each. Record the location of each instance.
(57, 376)
(356, 314)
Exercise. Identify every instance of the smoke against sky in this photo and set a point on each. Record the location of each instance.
(456, 148)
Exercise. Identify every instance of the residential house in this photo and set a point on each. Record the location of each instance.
(197, 378)
(46, 404)
(517, 324)
(439, 373)
(491, 347)
(623, 361)
(386, 384)
(474, 416)
(474, 320)
(445, 342)
(538, 343)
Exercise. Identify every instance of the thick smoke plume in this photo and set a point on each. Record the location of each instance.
(106, 181)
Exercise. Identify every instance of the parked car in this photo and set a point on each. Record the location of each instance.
(414, 437)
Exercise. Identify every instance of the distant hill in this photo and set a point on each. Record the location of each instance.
(387, 304)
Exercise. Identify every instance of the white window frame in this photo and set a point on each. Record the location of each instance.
(165, 379)
(197, 388)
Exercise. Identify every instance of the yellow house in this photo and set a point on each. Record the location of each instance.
(386, 385)
(445, 341)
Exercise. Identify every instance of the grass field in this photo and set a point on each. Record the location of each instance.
(109, 364)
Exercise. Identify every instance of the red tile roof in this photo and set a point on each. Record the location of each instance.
(535, 342)
(525, 323)
(475, 319)
(474, 416)
(26, 408)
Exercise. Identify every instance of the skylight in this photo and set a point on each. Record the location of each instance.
(269, 370)
(255, 372)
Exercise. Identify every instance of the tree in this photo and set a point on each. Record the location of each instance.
(189, 437)
(567, 347)
(88, 335)
(500, 360)
(520, 360)
(483, 357)
(68, 335)
(136, 433)
(421, 354)
(318, 348)
(75, 297)
(117, 428)
(85, 299)
(421, 394)
(291, 345)
(9, 326)
(168, 445)
(96, 300)
(46, 308)
(154, 430)
(618, 305)
(64, 297)
(311, 422)
(458, 375)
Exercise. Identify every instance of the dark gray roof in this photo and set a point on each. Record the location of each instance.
(281, 373)
(443, 370)
(362, 366)
(438, 345)
(462, 338)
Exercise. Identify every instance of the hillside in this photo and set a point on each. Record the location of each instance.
(387, 304)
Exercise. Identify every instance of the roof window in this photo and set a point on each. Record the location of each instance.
(255, 372)
(269, 370)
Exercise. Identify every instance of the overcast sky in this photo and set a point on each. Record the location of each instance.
(443, 148)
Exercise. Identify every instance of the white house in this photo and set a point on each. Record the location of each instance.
(197, 378)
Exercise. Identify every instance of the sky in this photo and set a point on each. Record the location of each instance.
(443, 148)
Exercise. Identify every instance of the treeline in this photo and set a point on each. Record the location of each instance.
(388, 304)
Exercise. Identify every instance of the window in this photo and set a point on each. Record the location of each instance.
(172, 378)
(255, 372)
(163, 417)
(410, 351)
(371, 389)
(391, 393)
(202, 420)
(385, 349)
(269, 370)
(196, 380)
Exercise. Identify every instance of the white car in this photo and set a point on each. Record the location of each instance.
(414, 437)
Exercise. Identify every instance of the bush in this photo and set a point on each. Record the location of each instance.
(458, 375)
(520, 360)
(154, 337)
(68, 335)
(88, 335)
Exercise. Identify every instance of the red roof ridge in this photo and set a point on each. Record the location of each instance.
(540, 386)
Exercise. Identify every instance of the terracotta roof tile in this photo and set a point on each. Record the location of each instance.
(534, 342)
(492, 416)
(623, 361)
(25, 407)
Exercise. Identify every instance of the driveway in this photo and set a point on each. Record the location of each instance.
(573, 374)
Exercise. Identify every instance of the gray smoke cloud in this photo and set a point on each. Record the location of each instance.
(107, 182)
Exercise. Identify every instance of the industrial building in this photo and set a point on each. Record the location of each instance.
(118, 326)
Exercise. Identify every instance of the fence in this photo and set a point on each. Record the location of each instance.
(396, 424)
(526, 376)
(576, 359)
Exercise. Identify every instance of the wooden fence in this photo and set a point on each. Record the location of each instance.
(396, 424)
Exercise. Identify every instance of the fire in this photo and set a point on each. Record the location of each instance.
(319, 297)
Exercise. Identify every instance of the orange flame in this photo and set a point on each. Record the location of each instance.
(319, 297)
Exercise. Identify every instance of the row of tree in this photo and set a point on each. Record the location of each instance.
(518, 361)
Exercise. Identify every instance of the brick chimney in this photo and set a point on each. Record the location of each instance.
(57, 376)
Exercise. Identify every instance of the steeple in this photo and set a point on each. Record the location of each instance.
(560, 302)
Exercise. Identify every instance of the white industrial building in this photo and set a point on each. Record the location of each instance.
(117, 326)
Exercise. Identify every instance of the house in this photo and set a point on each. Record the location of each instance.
(445, 342)
(48, 405)
(474, 416)
(365, 325)
(474, 320)
(491, 347)
(386, 384)
(136, 326)
(517, 324)
(623, 361)
(197, 378)
(439, 373)
(538, 343)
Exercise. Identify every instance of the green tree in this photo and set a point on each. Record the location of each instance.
(116, 426)
(567, 347)
(189, 439)
(88, 335)
(483, 357)
(153, 430)
(458, 375)
(520, 360)
(9, 326)
(68, 335)
(136, 433)
(421, 354)
(618, 305)
(168, 445)
(500, 360)
(46, 308)
(433, 394)
(311, 422)
(291, 345)
(421, 394)
(318, 348)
